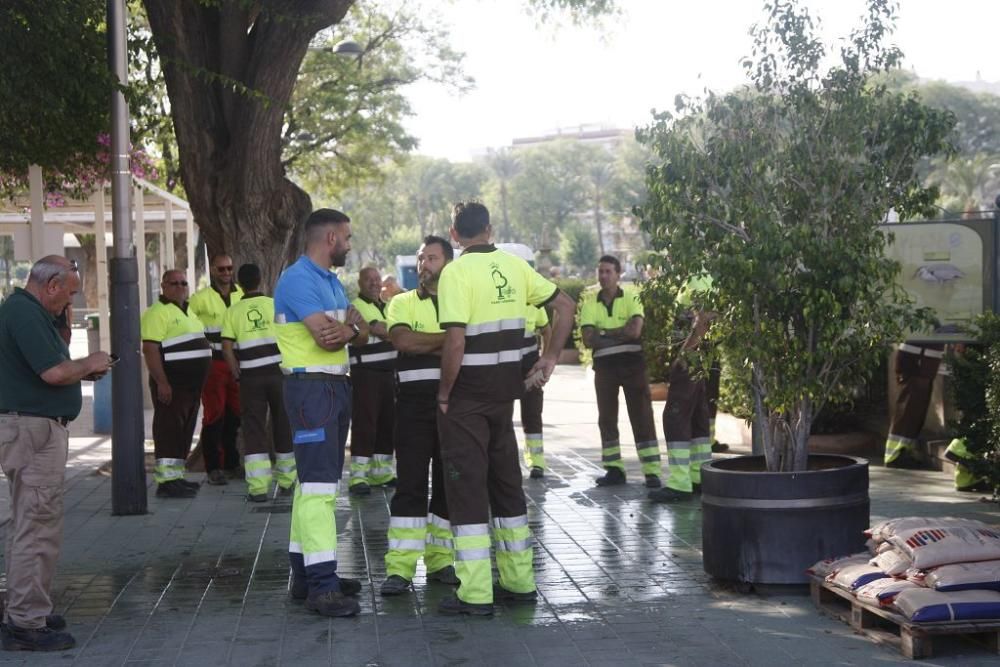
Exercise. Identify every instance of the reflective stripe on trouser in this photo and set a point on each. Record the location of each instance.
(611, 455)
(472, 563)
(166, 470)
(895, 445)
(359, 469)
(679, 465)
(482, 476)
(312, 509)
(319, 412)
(413, 537)
(649, 456)
(417, 448)
(701, 453)
(631, 378)
(685, 427)
(534, 450)
(284, 469)
(372, 422)
(532, 403)
(958, 453)
(258, 473)
(380, 470)
(512, 538)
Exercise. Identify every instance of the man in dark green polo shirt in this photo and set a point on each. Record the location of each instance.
(39, 396)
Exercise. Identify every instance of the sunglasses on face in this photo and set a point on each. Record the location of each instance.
(224, 269)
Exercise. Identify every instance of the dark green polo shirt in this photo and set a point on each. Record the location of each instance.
(29, 346)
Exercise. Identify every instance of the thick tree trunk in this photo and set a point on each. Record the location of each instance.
(230, 69)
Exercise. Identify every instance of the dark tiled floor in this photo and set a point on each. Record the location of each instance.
(203, 581)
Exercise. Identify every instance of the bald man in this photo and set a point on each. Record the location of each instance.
(373, 405)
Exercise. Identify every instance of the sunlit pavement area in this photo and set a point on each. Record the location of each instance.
(203, 581)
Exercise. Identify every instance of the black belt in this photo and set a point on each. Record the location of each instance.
(60, 420)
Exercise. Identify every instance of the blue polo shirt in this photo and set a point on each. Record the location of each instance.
(303, 289)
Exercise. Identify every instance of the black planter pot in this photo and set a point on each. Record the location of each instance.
(767, 528)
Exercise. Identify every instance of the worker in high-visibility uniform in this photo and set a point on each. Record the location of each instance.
(611, 325)
(251, 351)
(965, 479)
(314, 323)
(916, 368)
(537, 332)
(415, 528)
(220, 399)
(373, 404)
(178, 357)
(686, 411)
(482, 298)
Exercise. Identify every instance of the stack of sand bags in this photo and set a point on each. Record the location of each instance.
(928, 569)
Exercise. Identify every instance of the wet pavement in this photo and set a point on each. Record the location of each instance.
(204, 581)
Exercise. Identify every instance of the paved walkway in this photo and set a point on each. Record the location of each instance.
(203, 581)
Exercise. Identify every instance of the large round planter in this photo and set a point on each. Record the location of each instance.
(767, 527)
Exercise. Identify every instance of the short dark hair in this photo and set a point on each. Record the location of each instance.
(446, 249)
(470, 219)
(322, 217)
(248, 276)
(612, 260)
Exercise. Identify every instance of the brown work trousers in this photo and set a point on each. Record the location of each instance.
(373, 411)
(632, 378)
(174, 424)
(482, 471)
(33, 456)
(258, 395)
(915, 374)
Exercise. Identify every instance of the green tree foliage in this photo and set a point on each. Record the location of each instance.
(578, 248)
(55, 87)
(776, 191)
(975, 389)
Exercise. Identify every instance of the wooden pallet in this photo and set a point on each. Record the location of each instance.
(913, 640)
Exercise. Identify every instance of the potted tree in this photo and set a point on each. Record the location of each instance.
(775, 190)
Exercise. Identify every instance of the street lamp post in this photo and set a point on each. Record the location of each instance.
(128, 469)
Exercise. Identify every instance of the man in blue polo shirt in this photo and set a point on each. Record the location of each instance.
(314, 323)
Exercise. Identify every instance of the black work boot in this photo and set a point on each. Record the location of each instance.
(613, 477)
(175, 488)
(332, 603)
(35, 639)
(501, 594)
(668, 495)
(653, 482)
(452, 605)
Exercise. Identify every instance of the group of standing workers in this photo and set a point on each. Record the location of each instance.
(429, 377)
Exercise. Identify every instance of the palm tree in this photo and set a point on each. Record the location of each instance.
(601, 175)
(505, 166)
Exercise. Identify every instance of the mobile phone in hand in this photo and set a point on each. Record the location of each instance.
(114, 359)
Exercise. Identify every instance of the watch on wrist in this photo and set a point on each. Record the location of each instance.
(602, 332)
(357, 332)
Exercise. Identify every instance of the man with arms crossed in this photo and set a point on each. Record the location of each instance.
(314, 324)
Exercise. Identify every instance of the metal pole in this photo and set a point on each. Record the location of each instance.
(128, 470)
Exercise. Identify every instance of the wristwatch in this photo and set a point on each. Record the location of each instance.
(602, 332)
(357, 332)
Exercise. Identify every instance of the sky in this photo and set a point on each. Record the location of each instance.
(532, 79)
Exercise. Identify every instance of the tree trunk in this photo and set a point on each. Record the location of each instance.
(88, 244)
(597, 221)
(506, 236)
(230, 69)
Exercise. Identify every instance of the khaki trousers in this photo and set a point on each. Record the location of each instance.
(33, 456)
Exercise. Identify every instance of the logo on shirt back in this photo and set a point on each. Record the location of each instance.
(256, 319)
(505, 294)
